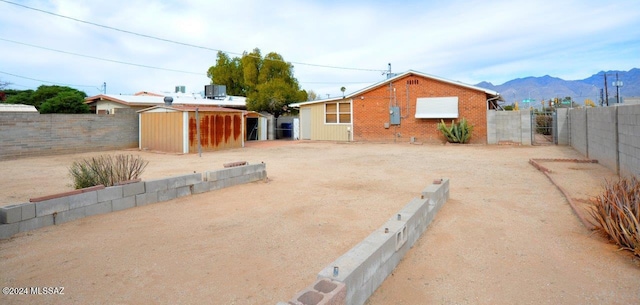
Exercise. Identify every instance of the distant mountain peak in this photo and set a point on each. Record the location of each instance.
(547, 87)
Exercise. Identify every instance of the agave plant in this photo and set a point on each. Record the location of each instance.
(457, 133)
(616, 213)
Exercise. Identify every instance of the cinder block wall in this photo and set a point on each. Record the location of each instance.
(562, 126)
(610, 135)
(372, 110)
(601, 135)
(511, 126)
(363, 268)
(25, 135)
(65, 207)
(578, 132)
(629, 139)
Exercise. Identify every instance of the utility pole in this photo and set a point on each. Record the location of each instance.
(617, 84)
(606, 90)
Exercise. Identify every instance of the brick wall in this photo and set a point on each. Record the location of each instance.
(371, 111)
(25, 134)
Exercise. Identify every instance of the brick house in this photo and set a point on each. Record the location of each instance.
(408, 105)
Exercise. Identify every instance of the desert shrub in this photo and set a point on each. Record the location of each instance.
(106, 170)
(457, 133)
(544, 124)
(616, 213)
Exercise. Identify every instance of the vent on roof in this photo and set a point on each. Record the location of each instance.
(168, 100)
(180, 89)
(215, 91)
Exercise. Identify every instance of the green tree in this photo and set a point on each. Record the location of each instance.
(20, 97)
(267, 82)
(65, 102)
(51, 99)
(251, 64)
(228, 72)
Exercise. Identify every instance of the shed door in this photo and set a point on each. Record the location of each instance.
(305, 123)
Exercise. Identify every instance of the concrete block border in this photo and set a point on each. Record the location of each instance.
(362, 269)
(546, 171)
(69, 206)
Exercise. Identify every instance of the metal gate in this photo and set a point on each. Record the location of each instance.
(544, 128)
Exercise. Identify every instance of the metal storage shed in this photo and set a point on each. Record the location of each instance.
(176, 128)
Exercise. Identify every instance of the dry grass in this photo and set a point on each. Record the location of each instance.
(616, 213)
(106, 170)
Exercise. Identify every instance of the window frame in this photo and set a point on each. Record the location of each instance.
(337, 113)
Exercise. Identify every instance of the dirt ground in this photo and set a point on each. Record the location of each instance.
(506, 236)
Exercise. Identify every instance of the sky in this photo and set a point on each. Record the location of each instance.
(148, 45)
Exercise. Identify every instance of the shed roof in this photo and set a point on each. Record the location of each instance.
(190, 108)
(156, 99)
(17, 108)
(333, 99)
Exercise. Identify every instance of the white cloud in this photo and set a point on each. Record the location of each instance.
(469, 41)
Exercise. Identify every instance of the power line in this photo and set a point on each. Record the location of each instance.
(178, 42)
(147, 66)
(99, 58)
(49, 82)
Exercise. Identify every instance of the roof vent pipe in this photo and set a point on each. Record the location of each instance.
(168, 100)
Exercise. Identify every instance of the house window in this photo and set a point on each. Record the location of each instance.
(337, 113)
(437, 107)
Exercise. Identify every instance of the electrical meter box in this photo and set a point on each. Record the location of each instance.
(394, 115)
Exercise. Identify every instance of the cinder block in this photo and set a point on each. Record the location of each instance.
(183, 180)
(175, 182)
(83, 199)
(156, 185)
(28, 210)
(166, 195)
(123, 203)
(192, 179)
(48, 207)
(36, 223)
(110, 193)
(146, 198)
(133, 189)
(216, 184)
(98, 208)
(9, 229)
(11, 213)
(201, 187)
(183, 191)
(70, 215)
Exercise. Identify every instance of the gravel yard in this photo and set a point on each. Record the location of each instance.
(506, 236)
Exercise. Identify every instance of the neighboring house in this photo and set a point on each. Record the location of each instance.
(402, 108)
(20, 108)
(109, 103)
(326, 120)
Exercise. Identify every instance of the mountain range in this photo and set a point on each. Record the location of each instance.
(547, 87)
